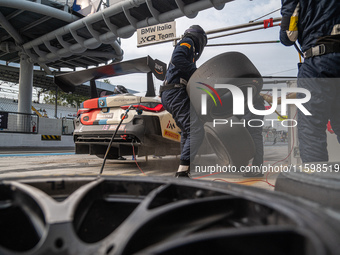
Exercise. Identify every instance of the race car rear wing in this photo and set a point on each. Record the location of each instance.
(67, 82)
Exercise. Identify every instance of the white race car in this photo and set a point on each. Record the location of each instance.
(147, 130)
(150, 130)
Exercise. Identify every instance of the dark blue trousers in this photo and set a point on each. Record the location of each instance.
(177, 102)
(321, 76)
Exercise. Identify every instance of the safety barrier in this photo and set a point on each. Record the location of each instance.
(14, 122)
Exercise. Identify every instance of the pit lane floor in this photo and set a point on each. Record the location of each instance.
(54, 162)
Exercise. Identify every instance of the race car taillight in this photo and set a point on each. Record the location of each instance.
(81, 111)
(150, 107)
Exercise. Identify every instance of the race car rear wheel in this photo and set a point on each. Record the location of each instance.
(232, 145)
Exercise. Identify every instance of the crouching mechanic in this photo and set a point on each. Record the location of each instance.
(316, 26)
(175, 98)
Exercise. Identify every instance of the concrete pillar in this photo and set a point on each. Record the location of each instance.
(25, 85)
(25, 94)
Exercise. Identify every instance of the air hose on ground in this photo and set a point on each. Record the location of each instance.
(109, 146)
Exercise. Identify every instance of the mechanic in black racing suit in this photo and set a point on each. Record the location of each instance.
(175, 98)
(316, 26)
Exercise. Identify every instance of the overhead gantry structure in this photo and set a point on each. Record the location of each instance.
(49, 34)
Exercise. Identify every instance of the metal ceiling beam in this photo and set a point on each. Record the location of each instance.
(94, 59)
(98, 54)
(18, 39)
(12, 60)
(114, 32)
(75, 62)
(10, 29)
(14, 14)
(39, 8)
(35, 23)
(80, 63)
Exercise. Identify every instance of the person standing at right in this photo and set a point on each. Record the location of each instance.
(315, 24)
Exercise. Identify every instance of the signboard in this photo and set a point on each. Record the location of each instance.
(156, 33)
(3, 120)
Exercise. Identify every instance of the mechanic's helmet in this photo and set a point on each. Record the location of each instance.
(197, 34)
(120, 89)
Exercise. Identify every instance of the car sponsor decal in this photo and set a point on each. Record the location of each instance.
(118, 100)
(158, 68)
(96, 117)
(104, 115)
(171, 125)
(113, 127)
(102, 102)
(172, 135)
